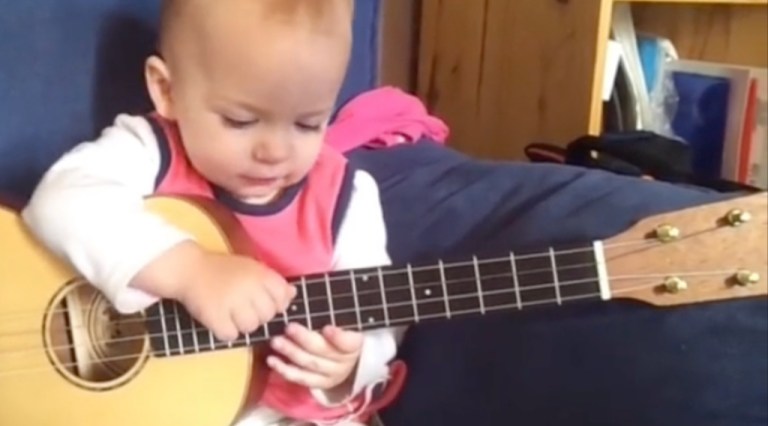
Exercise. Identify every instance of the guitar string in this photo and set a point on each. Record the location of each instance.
(346, 278)
(299, 301)
(227, 345)
(403, 269)
(169, 319)
(48, 367)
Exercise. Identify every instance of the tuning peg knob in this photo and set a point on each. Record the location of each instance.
(675, 285)
(667, 233)
(737, 217)
(745, 278)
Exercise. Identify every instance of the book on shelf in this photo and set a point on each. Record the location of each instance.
(721, 111)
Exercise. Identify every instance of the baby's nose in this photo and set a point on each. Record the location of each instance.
(271, 152)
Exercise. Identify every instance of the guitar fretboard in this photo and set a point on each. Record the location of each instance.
(364, 299)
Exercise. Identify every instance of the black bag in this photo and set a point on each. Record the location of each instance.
(639, 153)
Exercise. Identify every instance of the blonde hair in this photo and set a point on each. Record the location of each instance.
(324, 16)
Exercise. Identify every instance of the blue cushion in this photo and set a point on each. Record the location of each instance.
(620, 363)
(67, 67)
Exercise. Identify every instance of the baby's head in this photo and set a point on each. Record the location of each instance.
(252, 85)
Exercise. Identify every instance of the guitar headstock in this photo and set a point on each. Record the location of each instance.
(710, 252)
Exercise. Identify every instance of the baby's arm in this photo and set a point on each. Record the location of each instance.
(362, 243)
(88, 209)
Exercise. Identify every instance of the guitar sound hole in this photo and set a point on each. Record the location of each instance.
(89, 343)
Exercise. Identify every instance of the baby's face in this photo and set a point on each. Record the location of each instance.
(252, 101)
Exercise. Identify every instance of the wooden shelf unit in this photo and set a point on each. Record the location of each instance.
(722, 2)
(507, 73)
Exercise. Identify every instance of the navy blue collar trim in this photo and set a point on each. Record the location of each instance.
(276, 206)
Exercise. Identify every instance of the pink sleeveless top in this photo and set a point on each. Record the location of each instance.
(305, 219)
(295, 236)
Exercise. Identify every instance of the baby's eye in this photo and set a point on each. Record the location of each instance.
(235, 123)
(309, 127)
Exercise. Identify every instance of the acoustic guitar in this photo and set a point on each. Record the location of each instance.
(66, 357)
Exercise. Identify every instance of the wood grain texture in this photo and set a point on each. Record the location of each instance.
(758, 2)
(398, 43)
(506, 73)
(736, 34)
(166, 391)
(707, 255)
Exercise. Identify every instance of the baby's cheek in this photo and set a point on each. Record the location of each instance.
(213, 162)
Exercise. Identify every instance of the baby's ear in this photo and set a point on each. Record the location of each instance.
(350, 4)
(158, 80)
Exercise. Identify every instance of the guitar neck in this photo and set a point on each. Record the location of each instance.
(364, 299)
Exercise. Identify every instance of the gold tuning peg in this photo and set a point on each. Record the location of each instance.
(744, 277)
(667, 233)
(675, 285)
(737, 217)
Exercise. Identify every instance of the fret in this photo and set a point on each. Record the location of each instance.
(318, 302)
(178, 329)
(498, 284)
(195, 340)
(307, 313)
(154, 330)
(371, 300)
(328, 294)
(578, 273)
(515, 281)
(412, 287)
(534, 277)
(441, 267)
(297, 312)
(173, 330)
(357, 300)
(428, 292)
(185, 324)
(344, 301)
(555, 276)
(263, 329)
(461, 286)
(211, 340)
(247, 339)
(277, 325)
(264, 332)
(286, 320)
(397, 289)
(383, 296)
(479, 286)
(164, 327)
(274, 327)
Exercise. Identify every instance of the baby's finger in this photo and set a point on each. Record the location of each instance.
(295, 374)
(223, 328)
(345, 342)
(245, 318)
(312, 342)
(303, 359)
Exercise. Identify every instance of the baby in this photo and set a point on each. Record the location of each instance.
(243, 92)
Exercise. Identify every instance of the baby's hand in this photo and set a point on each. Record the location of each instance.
(227, 294)
(318, 360)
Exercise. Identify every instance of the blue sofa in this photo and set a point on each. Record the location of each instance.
(68, 66)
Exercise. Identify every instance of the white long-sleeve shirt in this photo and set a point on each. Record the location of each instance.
(89, 209)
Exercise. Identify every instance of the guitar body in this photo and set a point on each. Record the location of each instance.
(111, 378)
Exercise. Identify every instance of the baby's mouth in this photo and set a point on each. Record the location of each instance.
(260, 180)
